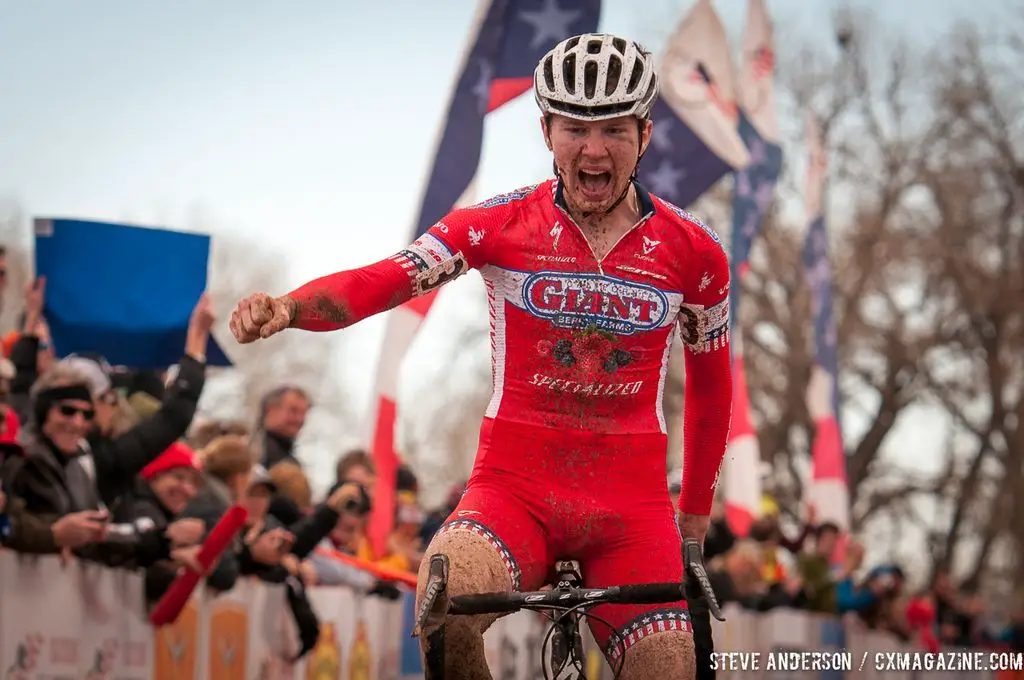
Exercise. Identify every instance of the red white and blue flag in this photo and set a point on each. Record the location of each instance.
(753, 190)
(695, 142)
(828, 490)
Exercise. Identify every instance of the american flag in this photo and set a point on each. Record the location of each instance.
(828, 489)
(753, 190)
(694, 142)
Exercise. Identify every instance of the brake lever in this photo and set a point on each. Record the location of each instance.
(693, 561)
(437, 584)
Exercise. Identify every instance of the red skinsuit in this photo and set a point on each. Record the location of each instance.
(571, 463)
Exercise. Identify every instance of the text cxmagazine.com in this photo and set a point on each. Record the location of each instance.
(882, 662)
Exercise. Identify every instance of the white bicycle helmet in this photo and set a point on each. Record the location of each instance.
(595, 76)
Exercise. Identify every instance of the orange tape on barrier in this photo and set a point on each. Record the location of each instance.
(383, 573)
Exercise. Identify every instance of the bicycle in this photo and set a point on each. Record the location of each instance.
(567, 603)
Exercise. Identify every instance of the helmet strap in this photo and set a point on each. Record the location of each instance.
(633, 176)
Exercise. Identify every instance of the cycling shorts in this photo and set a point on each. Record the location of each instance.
(539, 495)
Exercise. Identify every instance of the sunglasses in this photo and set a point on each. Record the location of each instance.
(70, 411)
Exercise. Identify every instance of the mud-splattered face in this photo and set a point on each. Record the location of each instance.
(595, 158)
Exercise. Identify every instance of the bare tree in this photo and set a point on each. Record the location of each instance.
(927, 243)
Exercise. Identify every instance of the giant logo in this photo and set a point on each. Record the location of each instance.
(582, 300)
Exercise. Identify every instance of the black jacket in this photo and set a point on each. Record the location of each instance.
(134, 449)
(209, 505)
(308, 533)
(278, 449)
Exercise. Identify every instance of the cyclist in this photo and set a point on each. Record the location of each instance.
(588, 276)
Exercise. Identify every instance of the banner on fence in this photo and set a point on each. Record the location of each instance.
(73, 621)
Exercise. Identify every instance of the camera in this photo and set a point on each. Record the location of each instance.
(361, 505)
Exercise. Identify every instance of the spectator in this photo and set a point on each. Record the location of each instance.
(921, 621)
(344, 538)
(736, 576)
(32, 352)
(282, 415)
(405, 548)
(816, 570)
(57, 476)
(955, 611)
(405, 480)
(719, 539)
(205, 431)
(266, 541)
(274, 554)
(227, 469)
(164, 489)
(1015, 634)
(294, 542)
(434, 520)
(969, 609)
(740, 575)
(294, 498)
(768, 532)
(875, 599)
(10, 424)
(357, 466)
(58, 483)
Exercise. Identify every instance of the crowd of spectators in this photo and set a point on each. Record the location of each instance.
(112, 465)
(767, 570)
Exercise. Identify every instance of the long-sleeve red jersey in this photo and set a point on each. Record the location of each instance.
(579, 345)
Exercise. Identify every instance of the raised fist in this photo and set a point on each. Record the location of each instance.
(260, 316)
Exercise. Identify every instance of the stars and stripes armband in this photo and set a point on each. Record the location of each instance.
(430, 263)
(704, 329)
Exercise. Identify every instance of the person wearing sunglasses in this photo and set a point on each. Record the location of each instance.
(55, 477)
(61, 476)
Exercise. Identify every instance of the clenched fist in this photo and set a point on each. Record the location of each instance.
(260, 316)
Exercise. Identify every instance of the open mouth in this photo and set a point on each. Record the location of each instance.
(594, 183)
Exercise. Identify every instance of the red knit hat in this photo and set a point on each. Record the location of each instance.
(177, 455)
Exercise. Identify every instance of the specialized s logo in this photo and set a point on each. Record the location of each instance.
(581, 300)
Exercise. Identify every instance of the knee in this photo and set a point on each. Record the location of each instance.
(474, 566)
(666, 655)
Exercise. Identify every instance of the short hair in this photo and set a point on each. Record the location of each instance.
(226, 456)
(354, 458)
(275, 396)
(826, 527)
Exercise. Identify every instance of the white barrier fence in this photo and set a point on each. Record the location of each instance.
(82, 621)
